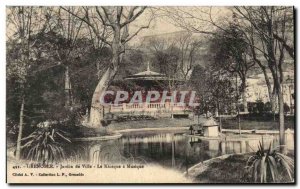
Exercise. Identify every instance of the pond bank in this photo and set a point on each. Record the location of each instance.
(256, 124)
(157, 124)
(99, 138)
(164, 124)
(257, 127)
(154, 129)
(115, 129)
(257, 131)
(227, 168)
(202, 166)
(233, 137)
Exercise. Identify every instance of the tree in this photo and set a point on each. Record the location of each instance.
(266, 23)
(88, 65)
(214, 88)
(116, 21)
(232, 54)
(226, 38)
(269, 32)
(70, 28)
(201, 20)
(166, 58)
(189, 55)
(176, 56)
(22, 24)
(249, 35)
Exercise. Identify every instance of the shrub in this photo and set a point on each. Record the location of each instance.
(270, 166)
(286, 108)
(45, 145)
(122, 118)
(268, 107)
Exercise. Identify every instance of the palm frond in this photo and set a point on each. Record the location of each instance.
(43, 145)
(265, 164)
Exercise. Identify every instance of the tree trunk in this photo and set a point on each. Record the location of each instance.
(97, 110)
(98, 70)
(244, 98)
(272, 95)
(243, 92)
(245, 105)
(273, 100)
(68, 88)
(96, 113)
(118, 49)
(217, 109)
(281, 122)
(18, 150)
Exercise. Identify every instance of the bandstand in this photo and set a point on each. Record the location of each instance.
(151, 81)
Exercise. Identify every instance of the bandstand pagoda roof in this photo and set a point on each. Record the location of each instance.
(147, 75)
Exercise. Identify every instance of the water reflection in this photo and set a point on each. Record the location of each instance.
(170, 149)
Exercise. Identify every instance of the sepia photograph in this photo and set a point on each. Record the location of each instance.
(150, 94)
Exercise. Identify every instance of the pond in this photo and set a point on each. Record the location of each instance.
(168, 149)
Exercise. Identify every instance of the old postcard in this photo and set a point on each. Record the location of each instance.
(154, 94)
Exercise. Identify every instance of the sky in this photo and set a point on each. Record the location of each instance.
(164, 24)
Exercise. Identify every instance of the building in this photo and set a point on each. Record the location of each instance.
(257, 89)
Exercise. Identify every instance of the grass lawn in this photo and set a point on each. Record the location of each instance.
(227, 123)
(157, 123)
(256, 124)
(229, 170)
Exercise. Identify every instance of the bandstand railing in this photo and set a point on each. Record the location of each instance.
(147, 107)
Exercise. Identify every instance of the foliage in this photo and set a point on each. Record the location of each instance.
(122, 118)
(230, 48)
(38, 54)
(45, 144)
(268, 107)
(270, 165)
(257, 122)
(231, 53)
(176, 56)
(286, 108)
(44, 91)
(214, 89)
(262, 108)
(133, 62)
(167, 59)
(256, 107)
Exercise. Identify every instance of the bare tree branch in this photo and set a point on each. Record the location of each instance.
(87, 21)
(132, 16)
